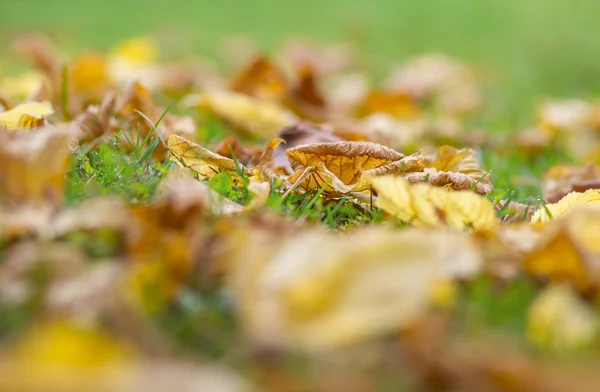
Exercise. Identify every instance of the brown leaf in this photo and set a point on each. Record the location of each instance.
(261, 79)
(395, 104)
(454, 168)
(95, 121)
(33, 167)
(558, 181)
(267, 165)
(302, 133)
(305, 99)
(243, 154)
(339, 165)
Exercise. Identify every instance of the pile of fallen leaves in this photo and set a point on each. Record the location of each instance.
(284, 226)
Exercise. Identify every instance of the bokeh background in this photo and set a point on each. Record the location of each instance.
(535, 47)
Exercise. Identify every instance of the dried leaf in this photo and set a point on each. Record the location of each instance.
(571, 200)
(33, 167)
(568, 249)
(247, 114)
(395, 104)
(26, 116)
(558, 181)
(338, 167)
(261, 79)
(89, 77)
(428, 206)
(231, 147)
(305, 99)
(200, 160)
(95, 121)
(454, 168)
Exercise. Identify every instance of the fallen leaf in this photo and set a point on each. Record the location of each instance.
(200, 160)
(428, 206)
(33, 167)
(568, 250)
(558, 181)
(26, 116)
(571, 200)
(338, 167)
(247, 114)
(559, 320)
(89, 77)
(394, 104)
(322, 291)
(454, 168)
(261, 79)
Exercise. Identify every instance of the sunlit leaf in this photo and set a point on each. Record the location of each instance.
(428, 206)
(26, 116)
(573, 199)
(200, 160)
(247, 114)
(559, 320)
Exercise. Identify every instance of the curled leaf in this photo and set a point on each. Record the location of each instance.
(558, 181)
(573, 199)
(454, 168)
(338, 166)
(428, 206)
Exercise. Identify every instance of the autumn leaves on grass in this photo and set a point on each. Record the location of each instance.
(356, 168)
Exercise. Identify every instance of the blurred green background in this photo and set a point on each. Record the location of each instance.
(527, 48)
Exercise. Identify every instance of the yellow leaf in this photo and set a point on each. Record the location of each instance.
(22, 86)
(61, 356)
(568, 249)
(573, 199)
(247, 114)
(454, 168)
(560, 320)
(322, 290)
(89, 76)
(138, 51)
(26, 116)
(428, 206)
(261, 79)
(199, 159)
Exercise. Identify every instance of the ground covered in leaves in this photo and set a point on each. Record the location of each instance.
(282, 223)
